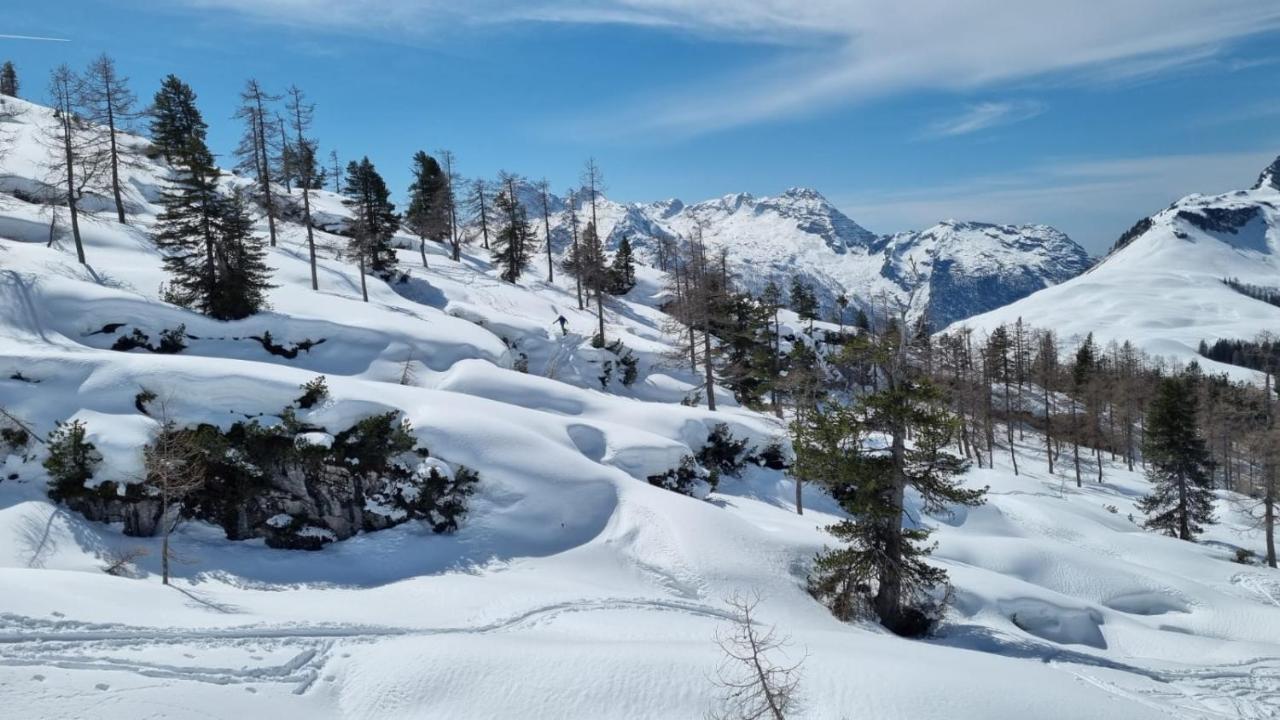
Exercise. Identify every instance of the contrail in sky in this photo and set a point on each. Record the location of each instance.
(32, 37)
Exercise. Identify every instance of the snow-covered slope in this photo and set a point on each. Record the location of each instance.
(1161, 286)
(947, 272)
(573, 589)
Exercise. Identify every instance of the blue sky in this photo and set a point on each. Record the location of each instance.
(1084, 115)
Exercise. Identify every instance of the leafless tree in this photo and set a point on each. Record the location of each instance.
(451, 196)
(173, 467)
(252, 149)
(572, 196)
(544, 197)
(753, 683)
(120, 562)
(108, 104)
(300, 116)
(77, 155)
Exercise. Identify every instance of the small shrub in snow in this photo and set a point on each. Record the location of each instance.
(1246, 557)
(626, 360)
(314, 391)
(172, 341)
(773, 456)
(606, 374)
(72, 460)
(142, 399)
(723, 453)
(14, 439)
(682, 478)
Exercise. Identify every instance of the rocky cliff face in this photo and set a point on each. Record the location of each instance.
(296, 487)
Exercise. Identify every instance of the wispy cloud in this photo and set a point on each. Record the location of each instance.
(1091, 200)
(984, 116)
(844, 51)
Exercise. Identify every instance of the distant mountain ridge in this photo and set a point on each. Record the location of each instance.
(945, 273)
(1161, 286)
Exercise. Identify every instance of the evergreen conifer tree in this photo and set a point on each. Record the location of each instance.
(622, 272)
(427, 214)
(879, 552)
(803, 300)
(8, 79)
(1178, 463)
(374, 221)
(216, 265)
(175, 120)
(511, 246)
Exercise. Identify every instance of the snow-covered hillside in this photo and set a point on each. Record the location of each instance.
(573, 588)
(948, 272)
(1162, 286)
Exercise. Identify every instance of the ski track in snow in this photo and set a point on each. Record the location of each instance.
(72, 645)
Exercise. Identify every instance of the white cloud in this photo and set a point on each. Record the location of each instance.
(1093, 201)
(984, 116)
(842, 51)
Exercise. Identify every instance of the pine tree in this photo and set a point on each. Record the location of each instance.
(374, 221)
(1178, 463)
(511, 246)
(622, 272)
(8, 79)
(803, 300)
(879, 551)
(108, 103)
(245, 277)
(427, 215)
(175, 121)
(771, 301)
(216, 265)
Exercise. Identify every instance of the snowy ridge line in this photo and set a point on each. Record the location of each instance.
(128, 633)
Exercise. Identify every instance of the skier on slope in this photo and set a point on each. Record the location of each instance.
(564, 330)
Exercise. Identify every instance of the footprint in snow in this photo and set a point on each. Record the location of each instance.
(38, 678)
(188, 655)
(251, 690)
(102, 686)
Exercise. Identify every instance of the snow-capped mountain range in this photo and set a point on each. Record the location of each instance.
(1161, 286)
(946, 272)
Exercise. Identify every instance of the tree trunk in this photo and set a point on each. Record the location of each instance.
(1075, 440)
(546, 226)
(264, 177)
(164, 558)
(422, 248)
(364, 289)
(1184, 524)
(1269, 516)
(710, 373)
(1048, 424)
(600, 313)
(888, 600)
(115, 160)
(71, 184)
(311, 240)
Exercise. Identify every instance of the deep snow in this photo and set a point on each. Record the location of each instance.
(574, 589)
